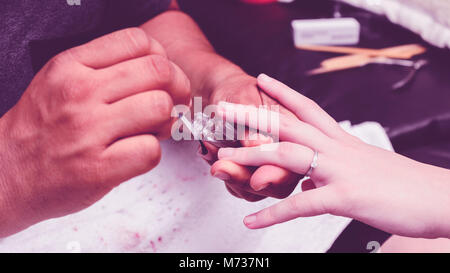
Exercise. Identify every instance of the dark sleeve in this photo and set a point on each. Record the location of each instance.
(128, 13)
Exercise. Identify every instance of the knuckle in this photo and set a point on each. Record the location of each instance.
(153, 156)
(156, 47)
(310, 104)
(59, 68)
(183, 84)
(186, 91)
(162, 104)
(161, 69)
(66, 79)
(270, 214)
(284, 150)
(284, 124)
(65, 57)
(136, 39)
(294, 204)
(77, 88)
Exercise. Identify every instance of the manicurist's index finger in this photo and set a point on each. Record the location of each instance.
(116, 47)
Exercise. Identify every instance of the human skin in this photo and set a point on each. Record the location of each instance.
(83, 126)
(353, 179)
(216, 79)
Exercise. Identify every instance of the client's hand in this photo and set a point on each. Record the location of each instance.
(351, 178)
(251, 184)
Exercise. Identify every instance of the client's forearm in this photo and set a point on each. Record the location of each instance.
(438, 179)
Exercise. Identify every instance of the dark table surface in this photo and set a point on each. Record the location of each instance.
(417, 119)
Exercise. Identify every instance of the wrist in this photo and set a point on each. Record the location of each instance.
(439, 207)
(11, 220)
(5, 210)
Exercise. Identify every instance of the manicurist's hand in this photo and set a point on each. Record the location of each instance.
(350, 178)
(214, 79)
(89, 120)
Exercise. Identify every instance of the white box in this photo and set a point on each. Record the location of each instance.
(334, 31)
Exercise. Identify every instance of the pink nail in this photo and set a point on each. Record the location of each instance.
(262, 187)
(225, 152)
(264, 78)
(222, 176)
(250, 220)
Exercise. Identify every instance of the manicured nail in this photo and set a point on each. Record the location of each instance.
(264, 78)
(261, 187)
(225, 152)
(250, 220)
(222, 176)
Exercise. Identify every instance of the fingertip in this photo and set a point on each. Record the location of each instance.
(225, 153)
(263, 78)
(222, 175)
(259, 187)
(218, 168)
(250, 221)
(238, 174)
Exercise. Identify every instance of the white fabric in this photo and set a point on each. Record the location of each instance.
(179, 207)
(428, 18)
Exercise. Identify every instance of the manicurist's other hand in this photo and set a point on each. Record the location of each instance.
(89, 120)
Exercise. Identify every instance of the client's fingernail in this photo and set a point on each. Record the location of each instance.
(222, 176)
(250, 220)
(225, 152)
(261, 187)
(264, 78)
